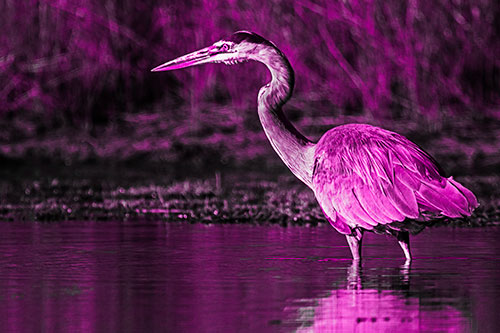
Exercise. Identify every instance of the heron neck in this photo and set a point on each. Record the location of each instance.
(296, 151)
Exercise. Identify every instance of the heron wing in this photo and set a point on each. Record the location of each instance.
(364, 176)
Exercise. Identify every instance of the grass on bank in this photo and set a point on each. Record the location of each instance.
(228, 196)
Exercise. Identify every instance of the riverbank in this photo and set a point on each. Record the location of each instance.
(182, 193)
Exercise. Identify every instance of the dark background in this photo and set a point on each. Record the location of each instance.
(76, 86)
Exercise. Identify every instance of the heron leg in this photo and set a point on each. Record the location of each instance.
(403, 238)
(354, 240)
(353, 275)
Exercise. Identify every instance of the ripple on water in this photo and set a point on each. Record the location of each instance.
(150, 276)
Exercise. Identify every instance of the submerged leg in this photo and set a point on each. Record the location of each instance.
(354, 240)
(354, 276)
(403, 238)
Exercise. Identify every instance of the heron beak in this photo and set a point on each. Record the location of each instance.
(195, 58)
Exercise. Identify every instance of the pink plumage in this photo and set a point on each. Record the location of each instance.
(365, 176)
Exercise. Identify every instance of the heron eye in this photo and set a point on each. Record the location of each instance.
(224, 47)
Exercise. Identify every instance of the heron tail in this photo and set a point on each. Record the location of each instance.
(448, 197)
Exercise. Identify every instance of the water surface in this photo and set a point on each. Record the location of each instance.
(157, 276)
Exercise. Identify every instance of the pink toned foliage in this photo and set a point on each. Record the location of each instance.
(85, 62)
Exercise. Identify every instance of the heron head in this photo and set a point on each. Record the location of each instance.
(240, 47)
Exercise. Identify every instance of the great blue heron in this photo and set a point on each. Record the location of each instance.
(364, 177)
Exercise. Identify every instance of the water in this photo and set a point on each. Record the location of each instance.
(148, 276)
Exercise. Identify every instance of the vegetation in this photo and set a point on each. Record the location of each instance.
(76, 74)
(109, 192)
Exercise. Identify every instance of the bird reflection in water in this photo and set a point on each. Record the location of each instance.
(375, 302)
